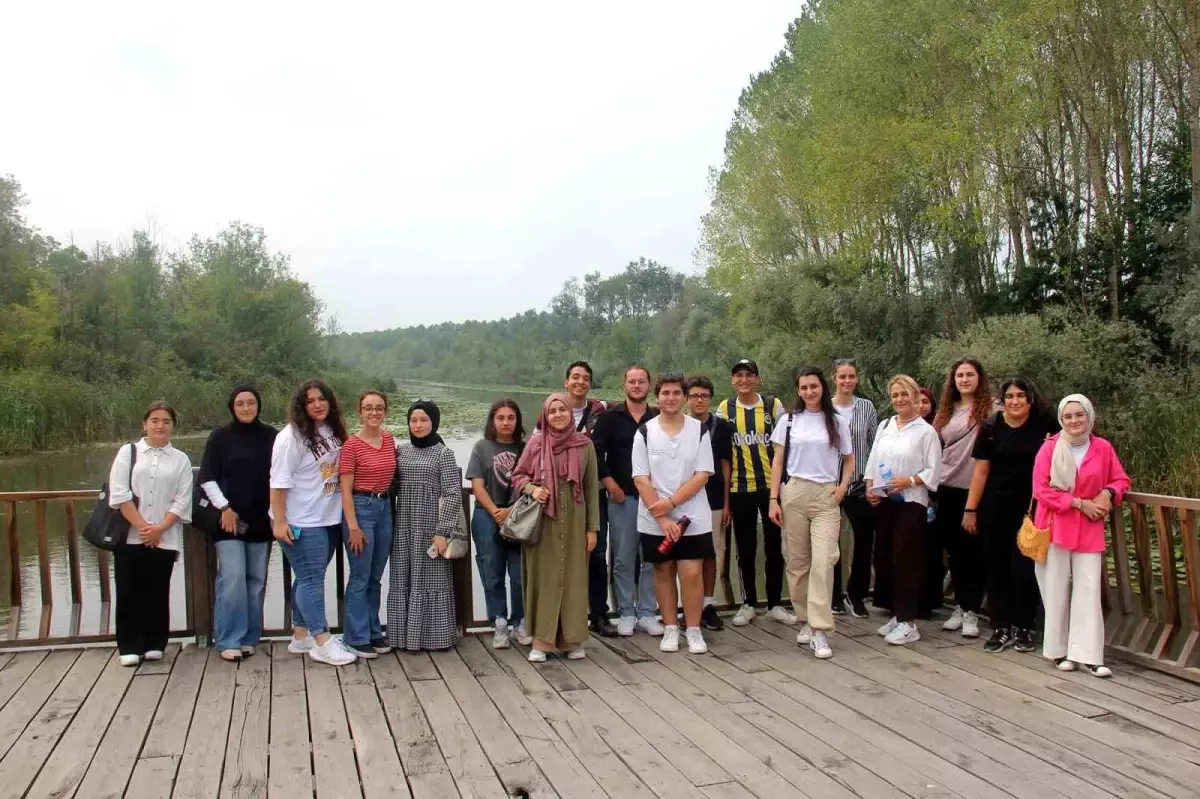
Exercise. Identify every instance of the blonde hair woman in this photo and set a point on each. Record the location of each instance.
(905, 464)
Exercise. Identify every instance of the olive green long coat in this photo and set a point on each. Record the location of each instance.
(555, 571)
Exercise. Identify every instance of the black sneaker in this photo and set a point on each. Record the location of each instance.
(362, 650)
(380, 645)
(1001, 639)
(838, 606)
(600, 625)
(858, 609)
(1023, 640)
(710, 619)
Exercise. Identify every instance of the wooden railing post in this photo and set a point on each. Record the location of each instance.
(199, 560)
(464, 582)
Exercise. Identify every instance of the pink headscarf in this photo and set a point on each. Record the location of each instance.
(537, 463)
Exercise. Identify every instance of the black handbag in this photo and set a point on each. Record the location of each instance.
(205, 516)
(107, 528)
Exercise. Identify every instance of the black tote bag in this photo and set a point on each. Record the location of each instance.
(107, 527)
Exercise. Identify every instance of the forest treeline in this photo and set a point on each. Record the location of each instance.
(909, 182)
(89, 337)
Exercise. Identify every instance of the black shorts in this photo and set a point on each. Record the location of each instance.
(689, 547)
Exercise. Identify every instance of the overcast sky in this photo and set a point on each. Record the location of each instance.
(420, 161)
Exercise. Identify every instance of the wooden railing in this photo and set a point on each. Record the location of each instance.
(198, 561)
(1159, 624)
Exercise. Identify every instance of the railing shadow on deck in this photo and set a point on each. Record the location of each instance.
(1152, 613)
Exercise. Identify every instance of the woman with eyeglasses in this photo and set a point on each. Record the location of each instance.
(966, 404)
(558, 469)
(428, 505)
(905, 464)
(859, 413)
(368, 464)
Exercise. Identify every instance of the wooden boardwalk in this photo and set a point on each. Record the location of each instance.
(755, 717)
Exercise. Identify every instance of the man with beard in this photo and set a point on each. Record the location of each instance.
(613, 439)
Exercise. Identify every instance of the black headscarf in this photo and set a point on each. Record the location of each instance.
(435, 416)
(238, 427)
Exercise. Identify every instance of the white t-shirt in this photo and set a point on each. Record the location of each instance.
(669, 463)
(313, 499)
(810, 457)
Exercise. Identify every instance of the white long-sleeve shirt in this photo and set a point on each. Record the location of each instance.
(162, 481)
(914, 450)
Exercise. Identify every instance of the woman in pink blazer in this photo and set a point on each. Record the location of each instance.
(1076, 481)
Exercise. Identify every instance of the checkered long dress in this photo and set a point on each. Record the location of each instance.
(420, 605)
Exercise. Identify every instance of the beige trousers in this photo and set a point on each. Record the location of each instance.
(812, 524)
(1070, 586)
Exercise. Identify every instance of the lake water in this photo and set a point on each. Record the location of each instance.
(464, 412)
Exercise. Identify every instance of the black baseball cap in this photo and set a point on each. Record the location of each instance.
(745, 363)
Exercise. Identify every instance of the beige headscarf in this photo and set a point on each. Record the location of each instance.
(1062, 465)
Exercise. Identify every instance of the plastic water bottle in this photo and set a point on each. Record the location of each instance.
(930, 514)
(885, 476)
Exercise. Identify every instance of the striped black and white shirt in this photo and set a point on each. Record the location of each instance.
(864, 421)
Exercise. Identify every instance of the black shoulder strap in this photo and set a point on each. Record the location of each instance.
(769, 414)
(787, 446)
(132, 460)
(645, 434)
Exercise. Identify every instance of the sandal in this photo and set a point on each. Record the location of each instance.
(248, 652)
(231, 655)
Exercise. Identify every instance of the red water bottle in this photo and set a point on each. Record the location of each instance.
(667, 543)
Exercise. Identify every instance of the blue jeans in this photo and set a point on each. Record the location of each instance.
(628, 573)
(241, 583)
(495, 558)
(374, 516)
(309, 556)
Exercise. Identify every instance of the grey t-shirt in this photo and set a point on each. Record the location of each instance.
(493, 463)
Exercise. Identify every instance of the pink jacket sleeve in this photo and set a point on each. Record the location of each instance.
(1117, 479)
(1048, 497)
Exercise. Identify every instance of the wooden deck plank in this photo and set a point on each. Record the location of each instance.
(16, 671)
(508, 756)
(374, 747)
(245, 770)
(153, 778)
(73, 753)
(163, 666)
(24, 760)
(417, 665)
(415, 741)
(719, 690)
(1092, 740)
(289, 762)
(474, 652)
(615, 664)
(333, 751)
(465, 758)
(114, 760)
(168, 733)
(200, 770)
(659, 733)
(33, 693)
(727, 790)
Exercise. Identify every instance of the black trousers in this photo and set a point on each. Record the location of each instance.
(965, 552)
(899, 557)
(861, 516)
(598, 564)
(143, 577)
(746, 509)
(1012, 589)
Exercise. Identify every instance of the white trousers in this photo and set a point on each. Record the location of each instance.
(1070, 586)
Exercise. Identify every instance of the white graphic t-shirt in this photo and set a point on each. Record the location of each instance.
(310, 474)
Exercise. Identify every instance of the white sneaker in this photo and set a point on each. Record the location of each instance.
(805, 635)
(744, 616)
(1100, 671)
(578, 653)
(970, 625)
(695, 639)
(523, 638)
(781, 614)
(625, 626)
(820, 645)
(153, 654)
(905, 633)
(333, 653)
(650, 625)
(1065, 665)
(886, 629)
(537, 656)
(670, 639)
(500, 637)
(955, 622)
(298, 646)
(130, 660)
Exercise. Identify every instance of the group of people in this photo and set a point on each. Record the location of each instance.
(311, 487)
(639, 496)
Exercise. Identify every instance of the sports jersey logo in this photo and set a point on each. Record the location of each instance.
(750, 439)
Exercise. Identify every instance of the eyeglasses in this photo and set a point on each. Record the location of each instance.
(700, 397)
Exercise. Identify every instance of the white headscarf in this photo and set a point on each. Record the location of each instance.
(1062, 465)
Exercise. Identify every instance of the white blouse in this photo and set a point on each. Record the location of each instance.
(914, 450)
(162, 481)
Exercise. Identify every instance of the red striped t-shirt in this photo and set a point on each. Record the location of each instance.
(372, 468)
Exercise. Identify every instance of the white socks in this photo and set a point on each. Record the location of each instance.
(710, 600)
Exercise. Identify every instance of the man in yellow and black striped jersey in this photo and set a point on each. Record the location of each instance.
(753, 418)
